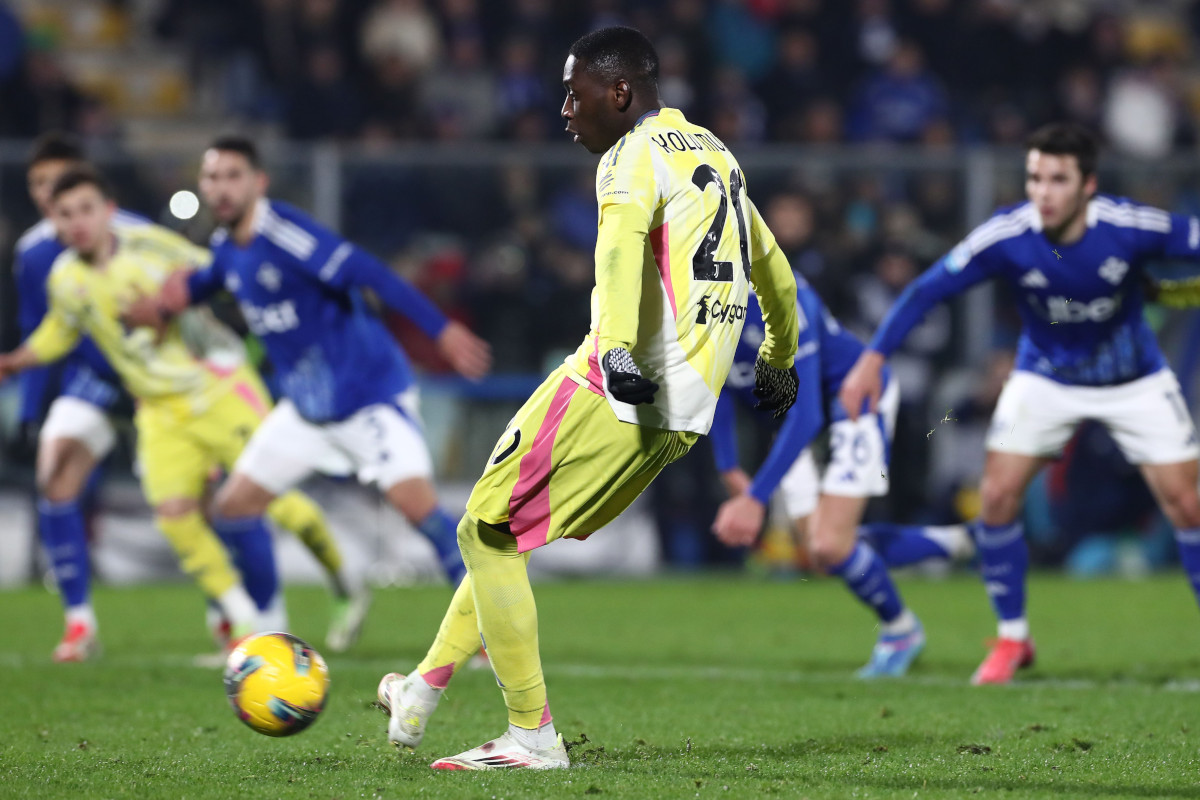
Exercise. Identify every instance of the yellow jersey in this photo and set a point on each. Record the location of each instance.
(184, 370)
(679, 247)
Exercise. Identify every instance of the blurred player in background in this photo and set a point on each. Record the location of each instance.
(1075, 259)
(349, 402)
(858, 470)
(198, 401)
(676, 234)
(65, 408)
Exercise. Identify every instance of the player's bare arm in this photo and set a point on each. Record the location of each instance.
(865, 382)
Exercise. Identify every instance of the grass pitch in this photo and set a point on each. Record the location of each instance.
(716, 687)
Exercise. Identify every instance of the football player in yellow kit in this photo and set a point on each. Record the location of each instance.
(197, 401)
(679, 245)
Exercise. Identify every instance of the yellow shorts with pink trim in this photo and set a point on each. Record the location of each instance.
(566, 466)
(177, 452)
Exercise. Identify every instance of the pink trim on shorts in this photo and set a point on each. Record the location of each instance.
(594, 378)
(529, 506)
(661, 248)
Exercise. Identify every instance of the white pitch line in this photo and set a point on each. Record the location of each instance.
(659, 673)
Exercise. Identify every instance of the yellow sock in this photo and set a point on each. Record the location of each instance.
(457, 640)
(298, 513)
(507, 618)
(201, 554)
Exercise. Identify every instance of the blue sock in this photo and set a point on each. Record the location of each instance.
(250, 546)
(442, 533)
(901, 545)
(65, 539)
(864, 572)
(1003, 561)
(1188, 541)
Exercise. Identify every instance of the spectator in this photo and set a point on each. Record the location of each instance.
(324, 103)
(900, 102)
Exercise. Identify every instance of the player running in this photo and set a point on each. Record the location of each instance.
(1075, 259)
(349, 404)
(676, 231)
(197, 400)
(858, 470)
(76, 434)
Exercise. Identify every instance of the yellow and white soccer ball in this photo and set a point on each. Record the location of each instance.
(276, 683)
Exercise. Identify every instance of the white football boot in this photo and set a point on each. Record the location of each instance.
(409, 702)
(507, 753)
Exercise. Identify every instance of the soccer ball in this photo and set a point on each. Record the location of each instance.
(276, 683)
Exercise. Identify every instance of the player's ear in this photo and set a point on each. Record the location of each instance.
(262, 181)
(1090, 185)
(622, 95)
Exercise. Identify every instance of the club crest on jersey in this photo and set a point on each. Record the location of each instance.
(269, 277)
(1034, 279)
(1113, 270)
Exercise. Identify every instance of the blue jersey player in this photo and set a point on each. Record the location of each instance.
(349, 405)
(1074, 259)
(70, 401)
(857, 471)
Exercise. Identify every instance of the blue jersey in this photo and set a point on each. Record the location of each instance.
(298, 285)
(1080, 303)
(85, 373)
(825, 353)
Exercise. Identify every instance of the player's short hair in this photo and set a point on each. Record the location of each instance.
(237, 143)
(619, 52)
(1067, 139)
(81, 175)
(54, 146)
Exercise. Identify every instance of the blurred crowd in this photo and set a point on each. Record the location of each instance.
(814, 71)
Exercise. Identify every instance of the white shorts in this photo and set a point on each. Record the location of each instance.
(381, 445)
(1147, 418)
(859, 452)
(72, 418)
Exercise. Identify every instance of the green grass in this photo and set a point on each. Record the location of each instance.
(708, 687)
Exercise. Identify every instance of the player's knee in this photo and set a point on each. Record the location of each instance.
(233, 501)
(828, 548)
(62, 470)
(999, 501)
(1181, 505)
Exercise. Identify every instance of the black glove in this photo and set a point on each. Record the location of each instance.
(625, 380)
(776, 388)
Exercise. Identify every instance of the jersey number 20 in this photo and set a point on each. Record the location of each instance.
(705, 267)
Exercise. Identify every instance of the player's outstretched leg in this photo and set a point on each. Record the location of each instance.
(1004, 563)
(298, 514)
(417, 500)
(836, 549)
(64, 536)
(249, 543)
(410, 701)
(64, 467)
(903, 545)
(507, 618)
(204, 559)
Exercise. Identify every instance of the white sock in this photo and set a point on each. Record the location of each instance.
(274, 616)
(346, 584)
(906, 622)
(1014, 629)
(416, 685)
(954, 539)
(543, 738)
(239, 609)
(82, 613)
